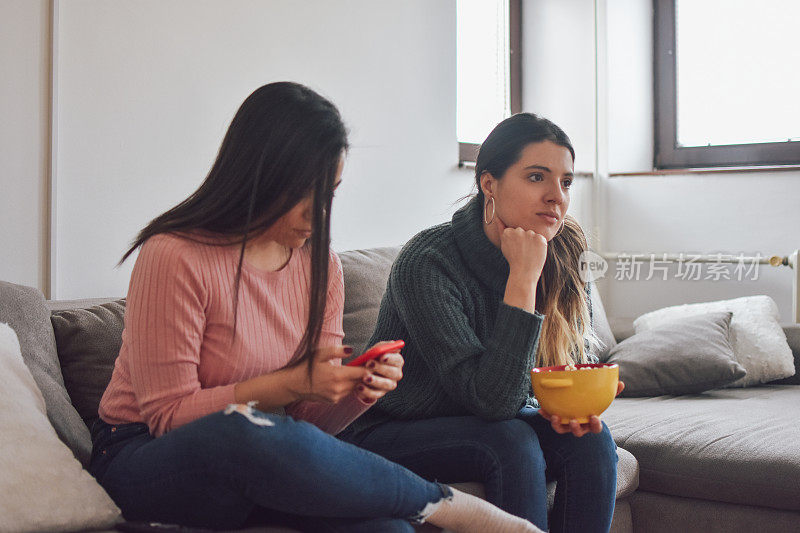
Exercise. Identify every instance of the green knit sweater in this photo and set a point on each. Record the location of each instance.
(467, 352)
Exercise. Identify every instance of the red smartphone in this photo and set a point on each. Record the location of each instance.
(376, 351)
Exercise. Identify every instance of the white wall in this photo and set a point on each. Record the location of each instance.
(145, 94)
(629, 90)
(709, 214)
(558, 82)
(24, 140)
(558, 75)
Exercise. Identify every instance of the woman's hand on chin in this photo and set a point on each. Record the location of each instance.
(525, 251)
(579, 430)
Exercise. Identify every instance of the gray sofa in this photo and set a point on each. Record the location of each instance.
(723, 460)
(719, 461)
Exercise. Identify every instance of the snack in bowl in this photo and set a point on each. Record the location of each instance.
(575, 391)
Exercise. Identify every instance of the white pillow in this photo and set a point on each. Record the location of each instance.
(43, 486)
(758, 341)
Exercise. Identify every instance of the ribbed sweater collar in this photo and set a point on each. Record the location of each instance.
(482, 257)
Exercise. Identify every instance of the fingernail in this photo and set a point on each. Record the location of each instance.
(360, 387)
(348, 350)
(385, 359)
(368, 379)
(371, 364)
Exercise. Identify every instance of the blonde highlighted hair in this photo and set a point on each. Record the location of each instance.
(561, 297)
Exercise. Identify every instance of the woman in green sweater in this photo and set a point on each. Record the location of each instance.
(480, 301)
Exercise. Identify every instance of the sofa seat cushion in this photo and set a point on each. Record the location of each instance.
(627, 473)
(734, 445)
(660, 513)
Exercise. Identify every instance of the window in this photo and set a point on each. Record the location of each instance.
(489, 60)
(727, 83)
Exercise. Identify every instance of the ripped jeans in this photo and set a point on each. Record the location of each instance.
(226, 471)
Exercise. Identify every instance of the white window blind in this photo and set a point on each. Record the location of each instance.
(737, 71)
(483, 97)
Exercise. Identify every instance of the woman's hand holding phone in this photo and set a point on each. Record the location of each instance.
(328, 382)
(378, 373)
(385, 369)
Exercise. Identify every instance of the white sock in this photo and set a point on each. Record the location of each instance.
(465, 513)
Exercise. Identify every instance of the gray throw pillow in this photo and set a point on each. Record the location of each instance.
(24, 309)
(365, 275)
(88, 343)
(684, 356)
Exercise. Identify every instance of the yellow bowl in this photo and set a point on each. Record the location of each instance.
(577, 394)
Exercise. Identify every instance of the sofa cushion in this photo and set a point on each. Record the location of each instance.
(731, 445)
(627, 473)
(88, 343)
(684, 356)
(43, 486)
(792, 332)
(660, 513)
(623, 328)
(365, 275)
(758, 341)
(600, 323)
(24, 309)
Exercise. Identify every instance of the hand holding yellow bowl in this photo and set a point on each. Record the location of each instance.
(572, 399)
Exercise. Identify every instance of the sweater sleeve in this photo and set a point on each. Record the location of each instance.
(331, 418)
(490, 380)
(164, 323)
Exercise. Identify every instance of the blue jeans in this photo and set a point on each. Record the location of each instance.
(224, 472)
(514, 459)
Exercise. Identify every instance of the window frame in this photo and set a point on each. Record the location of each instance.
(667, 153)
(468, 152)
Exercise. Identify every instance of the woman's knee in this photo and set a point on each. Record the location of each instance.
(514, 441)
(605, 444)
(597, 450)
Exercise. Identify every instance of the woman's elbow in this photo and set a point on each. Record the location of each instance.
(159, 420)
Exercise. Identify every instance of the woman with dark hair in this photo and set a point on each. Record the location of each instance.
(235, 301)
(480, 301)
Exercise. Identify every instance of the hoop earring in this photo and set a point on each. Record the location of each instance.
(560, 229)
(484, 211)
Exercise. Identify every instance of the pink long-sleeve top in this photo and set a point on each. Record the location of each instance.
(177, 363)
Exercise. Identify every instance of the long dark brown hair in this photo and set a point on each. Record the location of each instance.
(560, 293)
(284, 143)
